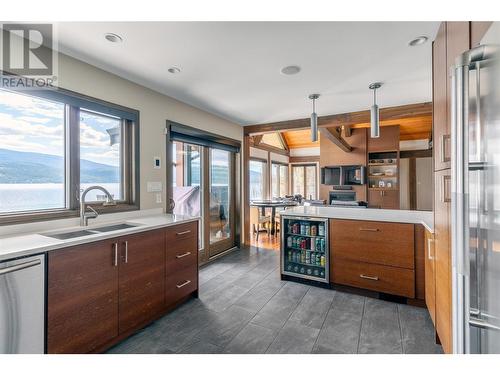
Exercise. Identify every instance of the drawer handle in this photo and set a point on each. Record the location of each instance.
(374, 278)
(183, 284)
(183, 233)
(183, 255)
(369, 229)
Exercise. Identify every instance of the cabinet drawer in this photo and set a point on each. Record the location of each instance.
(390, 244)
(181, 283)
(183, 254)
(391, 280)
(181, 232)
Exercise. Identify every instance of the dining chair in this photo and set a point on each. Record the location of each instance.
(256, 219)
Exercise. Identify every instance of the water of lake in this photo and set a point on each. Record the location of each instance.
(26, 197)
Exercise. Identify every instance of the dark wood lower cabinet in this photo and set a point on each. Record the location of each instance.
(82, 298)
(142, 278)
(101, 292)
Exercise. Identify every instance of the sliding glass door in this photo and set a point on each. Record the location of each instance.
(202, 184)
(221, 201)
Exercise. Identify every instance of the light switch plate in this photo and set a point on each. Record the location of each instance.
(156, 162)
(154, 186)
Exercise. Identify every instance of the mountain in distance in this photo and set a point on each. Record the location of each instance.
(18, 167)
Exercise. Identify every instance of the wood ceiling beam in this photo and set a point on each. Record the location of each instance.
(388, 113)
(333, 135)
(347, 130)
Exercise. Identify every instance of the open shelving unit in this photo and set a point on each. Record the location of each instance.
(383, 170)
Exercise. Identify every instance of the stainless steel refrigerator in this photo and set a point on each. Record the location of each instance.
(476, 197)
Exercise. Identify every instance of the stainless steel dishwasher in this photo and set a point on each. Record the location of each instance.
(22, 305)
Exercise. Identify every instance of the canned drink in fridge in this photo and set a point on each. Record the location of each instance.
(322, 261)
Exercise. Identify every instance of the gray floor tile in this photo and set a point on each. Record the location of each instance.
(348, 302)
(380, 330)
(294, 338)
(142, 342)
(279, 308)
(313, 307)
(225, 326)
(258, 296)
(252, 339)
(417, 330)
(201, 347)
(340, 332)
(221, 299)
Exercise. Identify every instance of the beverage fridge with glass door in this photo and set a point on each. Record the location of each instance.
(304, 248)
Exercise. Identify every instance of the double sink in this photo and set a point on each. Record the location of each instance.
(88, 232)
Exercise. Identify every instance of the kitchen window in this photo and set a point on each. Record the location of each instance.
(257, 179)
(54, 144)
(305, 180)
(279, 181)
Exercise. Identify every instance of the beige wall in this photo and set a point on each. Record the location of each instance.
(154, 109)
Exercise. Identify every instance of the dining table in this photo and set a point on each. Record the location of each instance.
(272, 204)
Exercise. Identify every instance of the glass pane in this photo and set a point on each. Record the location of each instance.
(298, 180)
(257, 180)
(275, 181)
(100, 155)
(31, 153)
(283, 180)
(311, 182)
(220, 194)
(187, 192)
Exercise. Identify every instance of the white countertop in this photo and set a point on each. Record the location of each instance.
(426, 218)
(36, 243)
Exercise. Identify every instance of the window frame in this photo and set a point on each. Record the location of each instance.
(304, 166)
(265, 174)
(280, 164)
(130, 157)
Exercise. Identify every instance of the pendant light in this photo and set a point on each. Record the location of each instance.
(374, 112)
(314, 118)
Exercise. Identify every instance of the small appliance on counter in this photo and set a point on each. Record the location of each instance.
(345, 199)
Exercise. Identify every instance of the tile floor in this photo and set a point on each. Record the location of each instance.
(244, 307)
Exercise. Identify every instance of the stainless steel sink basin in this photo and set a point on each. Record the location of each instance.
(87, 232)
(69, 235)
(111, 228)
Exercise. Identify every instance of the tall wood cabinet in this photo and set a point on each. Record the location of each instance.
(452, 39)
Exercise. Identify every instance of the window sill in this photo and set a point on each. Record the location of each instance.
(36, 216)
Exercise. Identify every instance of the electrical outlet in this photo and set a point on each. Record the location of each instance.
(158, 198)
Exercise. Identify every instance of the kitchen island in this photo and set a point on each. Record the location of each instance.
(374, 249)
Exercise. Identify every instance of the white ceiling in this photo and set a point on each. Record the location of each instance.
(232, 69)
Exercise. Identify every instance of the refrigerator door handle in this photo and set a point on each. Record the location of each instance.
(483, 324)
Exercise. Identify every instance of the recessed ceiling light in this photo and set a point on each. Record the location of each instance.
(174, 70)
(113, 38)
(418, 41)
(290, 70)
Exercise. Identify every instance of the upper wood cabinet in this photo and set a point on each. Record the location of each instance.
(441, 128)
(82, 297)
(388, 140)
(141, 278)
(477, 31)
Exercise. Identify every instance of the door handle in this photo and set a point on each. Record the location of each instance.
(446, 189)
(369, 230)
(183, 233)
(429, 241)
(19, 267)
(183, 255)
(444, 139)
(483, 324)
(126, 251)
(183, 284)
(374, 278)
(115, 262)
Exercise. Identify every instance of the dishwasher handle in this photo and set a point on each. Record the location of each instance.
(21, 266)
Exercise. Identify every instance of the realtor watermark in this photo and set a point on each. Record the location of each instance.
(28, 56)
